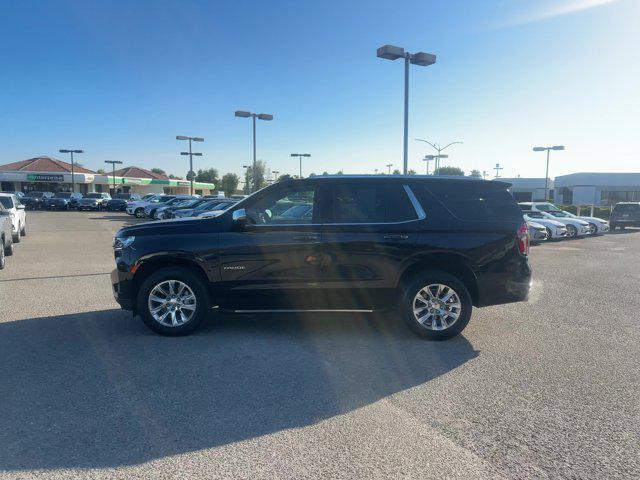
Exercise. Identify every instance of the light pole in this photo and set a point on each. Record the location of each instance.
(439, 149)
(389, 52)
(191, 175)
(259, 116)
(546, 177)
(300, 155)
(484, 174)
(376, 170)
(113, 169)
(497, 168)
(275, 175)
(73, 183)
(428, 158)
(389, 165)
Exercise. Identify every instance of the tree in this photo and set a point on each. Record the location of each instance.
(449, 171)
(475, 173)
(261, 178)
(159, 171)
(286, 176)
(396, 172)
(325, 173)
(411, 172)
(229, 183)
(101, 171)
(174, 177)
(209, 175)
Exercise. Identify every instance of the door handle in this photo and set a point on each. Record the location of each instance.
(305, 238)
(396, 236)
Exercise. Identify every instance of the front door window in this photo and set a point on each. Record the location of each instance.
(294, 206)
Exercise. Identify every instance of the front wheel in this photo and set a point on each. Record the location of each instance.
(139, 213)
(593, 229)
(3, 260)
(8, 249)
(572, 232)
(23, 232)
(436, 305)
(16, 236)
(173, 301)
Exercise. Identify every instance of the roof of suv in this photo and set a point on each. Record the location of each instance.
(390, 178)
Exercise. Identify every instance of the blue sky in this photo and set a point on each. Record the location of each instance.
(122, 79)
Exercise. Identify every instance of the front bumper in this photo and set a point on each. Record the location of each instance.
(121, 286)
(539, 236)
(94, 206)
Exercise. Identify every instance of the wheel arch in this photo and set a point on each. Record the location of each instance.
(451, 263)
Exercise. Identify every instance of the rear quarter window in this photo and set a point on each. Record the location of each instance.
(476, 202)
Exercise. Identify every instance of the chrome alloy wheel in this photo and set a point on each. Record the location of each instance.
(172, 303)
(436, 306)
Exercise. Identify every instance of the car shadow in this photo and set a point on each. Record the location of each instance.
(98, 389)
(624, 232)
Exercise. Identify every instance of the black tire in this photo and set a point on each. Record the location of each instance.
(193, 281)
(8, 249)
(417, 284)
(593, 229)
(16, 237)
(23, 232)
(3, 260)
(139, 213)
(572, 231)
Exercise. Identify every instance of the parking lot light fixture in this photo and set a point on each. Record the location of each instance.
(64, 150)
(439, 149)
(422, 59)
(259, 116)
(300, 155)
(546, 176)
(113, 169)
(191, 175)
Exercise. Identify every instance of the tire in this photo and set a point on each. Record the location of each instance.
(139, 213)
(157, 279)
(23, 232)
(410, 298)
(16, 236)
(572, 232)
(593, 229)
(622, 227)
(8, 249)
(3, 260)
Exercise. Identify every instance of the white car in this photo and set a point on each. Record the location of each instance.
(575, 227)
(555, 229)
(596, 225)
(17, 213)
(137, 208)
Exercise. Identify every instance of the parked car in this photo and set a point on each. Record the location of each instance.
(575, 227)
(6, 236)
(120, 201)
(432, 246)
(596, 225)
(555, 229)
(137, 208)
(35, 200)
(537, 232)
(17, 193)
(63, 201)
(625, 214)
(16, 212)
(166, 212)
(208, 206)
(94, 201)
(166, 201)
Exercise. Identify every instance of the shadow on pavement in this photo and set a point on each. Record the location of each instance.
(99, 390)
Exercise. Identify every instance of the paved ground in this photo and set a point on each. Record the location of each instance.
(548, 388)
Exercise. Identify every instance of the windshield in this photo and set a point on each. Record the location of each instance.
(627, 207)
(62, 195)
(93, 195)
(535, 215)
(547, 207)
(35, 194)
(122, 196)
(560, 214)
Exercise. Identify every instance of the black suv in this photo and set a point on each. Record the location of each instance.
(431, 246)
(625, 214)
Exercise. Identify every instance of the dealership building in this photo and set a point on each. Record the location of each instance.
(528, 189)
(52, 175)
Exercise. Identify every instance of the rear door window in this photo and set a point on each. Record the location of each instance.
(476, 201)
(370, 203)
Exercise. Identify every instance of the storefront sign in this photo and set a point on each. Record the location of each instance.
(45, 178)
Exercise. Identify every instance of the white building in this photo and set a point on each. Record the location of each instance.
(598, 189)
(528, 189)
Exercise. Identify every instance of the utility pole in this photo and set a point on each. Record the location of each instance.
(113, 169)
(191, 175)
(73, 179)
(389, 165)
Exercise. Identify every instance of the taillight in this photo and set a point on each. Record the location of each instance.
(523, 239)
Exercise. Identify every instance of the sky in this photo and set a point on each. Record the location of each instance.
(120, 79)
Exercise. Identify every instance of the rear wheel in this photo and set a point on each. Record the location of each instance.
(436, 305)
(16, 236)
(173, 301)
(23, 232)
(8, 248)
(3, 260)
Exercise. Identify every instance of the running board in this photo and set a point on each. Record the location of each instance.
(302, 311)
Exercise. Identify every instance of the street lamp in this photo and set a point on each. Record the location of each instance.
(73, 184)
(113, 168)
(275, 175)
(389, 52)
(546, 177)
(259, 116)
(389, 165)
(439, 149)
(428, 158)
(191, 175)
(300, 155)
(497, 168)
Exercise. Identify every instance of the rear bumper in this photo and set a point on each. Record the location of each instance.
(510, 284)
(625, 223)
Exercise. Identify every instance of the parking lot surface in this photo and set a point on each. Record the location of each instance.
(546, 389)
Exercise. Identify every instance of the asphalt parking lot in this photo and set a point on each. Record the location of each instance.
(546, 389)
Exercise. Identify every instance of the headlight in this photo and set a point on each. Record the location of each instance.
(120, 243)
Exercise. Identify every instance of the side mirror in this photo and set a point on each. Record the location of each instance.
(239, 219)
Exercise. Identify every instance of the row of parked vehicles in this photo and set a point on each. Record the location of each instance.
(13, 225)
(548, 222)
